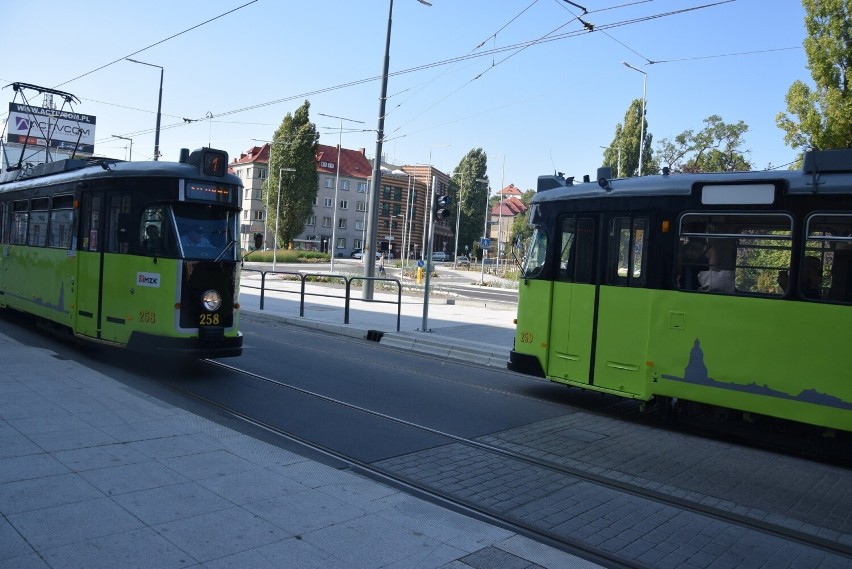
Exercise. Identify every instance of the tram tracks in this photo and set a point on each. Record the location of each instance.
(547, 501)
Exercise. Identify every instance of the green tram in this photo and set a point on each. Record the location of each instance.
(724, 294)
(142, 255)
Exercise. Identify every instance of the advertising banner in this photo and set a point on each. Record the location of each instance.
(38, 126)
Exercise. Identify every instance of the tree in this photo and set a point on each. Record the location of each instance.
(294, 146)
(822, 118)
(521, 229)
(715, 148)
(471, 196)
(625, 144)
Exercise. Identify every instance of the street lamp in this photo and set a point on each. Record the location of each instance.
(278, 216)
(484, 230)
(500, 212)
(373, 220)
(458, 217)
(336, 185)
(642, 123)
(402, 247)
(131, 145)
(159, 107)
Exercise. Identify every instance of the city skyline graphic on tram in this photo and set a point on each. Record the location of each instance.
(696, 373)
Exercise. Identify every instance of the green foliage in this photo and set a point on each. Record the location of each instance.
(294, 146)
(715, 148)
(472, 196)
(625, 144)
(821, 118)
(285, 256)
(521, 229)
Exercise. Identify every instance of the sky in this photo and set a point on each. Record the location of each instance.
(460, 76)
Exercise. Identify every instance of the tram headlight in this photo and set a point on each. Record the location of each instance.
(211, 300)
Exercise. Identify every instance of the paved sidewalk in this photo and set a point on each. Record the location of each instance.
(96, 475)
(477, 331)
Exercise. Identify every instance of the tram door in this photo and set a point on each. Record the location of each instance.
(624, 307)
(88, 287)
(573, 303)
(104, 283)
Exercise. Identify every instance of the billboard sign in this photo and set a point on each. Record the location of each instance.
(41, 126)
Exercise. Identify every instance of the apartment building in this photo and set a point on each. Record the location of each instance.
(339, 218)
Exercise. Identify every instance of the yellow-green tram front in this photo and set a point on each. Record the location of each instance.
(136, 254)
(730, 290)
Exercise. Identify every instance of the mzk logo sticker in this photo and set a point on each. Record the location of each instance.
(148, 279)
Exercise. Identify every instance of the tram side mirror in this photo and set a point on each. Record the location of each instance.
(258, 240)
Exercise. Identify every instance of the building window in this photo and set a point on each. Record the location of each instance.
(343, 204)
(341, 223)
(329, 182)
(356, 243)
(362, 187)
(258, 215)
(396, 209)
(360, 206)
(245, 214)
(248, 172)
(359, 225)
(326, 222)
(312, 220)
(385, 209)
(261, 173)
(328, 202)
(341, 243)
(329, 165)
(386, 192)
(344, 185)
(397, 194)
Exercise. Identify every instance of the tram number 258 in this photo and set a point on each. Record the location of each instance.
(147, 316)
(527, 337)
(208, 320)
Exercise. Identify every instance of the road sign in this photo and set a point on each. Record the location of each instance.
(389, 238)
(420, 263)
(485, 242)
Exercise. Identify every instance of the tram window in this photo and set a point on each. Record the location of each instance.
(734, 253)
(119, 218)
(153, 232)
(536, 254)
(4, 221)
(575, 262)
(37, 230)
(91, 222)
(627, 244)
(826, 272)
(61, 221)
(20, 216)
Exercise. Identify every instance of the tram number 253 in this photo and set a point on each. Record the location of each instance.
(208, 320)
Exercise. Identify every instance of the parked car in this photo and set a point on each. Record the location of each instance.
(439, 256)
(463, 261)
(358, 253)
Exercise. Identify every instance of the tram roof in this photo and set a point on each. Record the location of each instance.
(64, 171)
(824, 172)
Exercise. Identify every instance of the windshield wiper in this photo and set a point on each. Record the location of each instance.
(230, 244)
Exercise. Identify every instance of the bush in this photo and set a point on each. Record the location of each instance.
(286, 256)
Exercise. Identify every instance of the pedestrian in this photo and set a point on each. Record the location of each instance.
(382, 265)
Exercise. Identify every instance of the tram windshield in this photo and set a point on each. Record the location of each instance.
(536, 254)
(206, 232)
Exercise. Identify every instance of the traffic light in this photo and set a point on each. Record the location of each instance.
(442, 208)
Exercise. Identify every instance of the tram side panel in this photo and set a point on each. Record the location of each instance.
(39, 281)
(781, 359)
